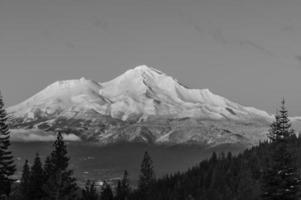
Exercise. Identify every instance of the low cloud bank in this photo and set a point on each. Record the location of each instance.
(21, 135)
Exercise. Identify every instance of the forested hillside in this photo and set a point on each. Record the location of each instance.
(222, 177)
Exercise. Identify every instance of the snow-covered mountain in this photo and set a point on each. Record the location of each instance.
(143, 104)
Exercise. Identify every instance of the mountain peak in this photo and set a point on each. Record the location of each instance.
(139, 92)
(142, 67)
(142, 94)
(145, 68)
(142, 71)
(138, 81)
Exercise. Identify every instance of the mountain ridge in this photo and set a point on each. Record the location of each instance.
(140, 95)
(142, 85)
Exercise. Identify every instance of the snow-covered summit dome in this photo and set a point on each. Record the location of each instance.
(139, 92)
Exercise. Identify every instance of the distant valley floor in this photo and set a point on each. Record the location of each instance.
(91, 161)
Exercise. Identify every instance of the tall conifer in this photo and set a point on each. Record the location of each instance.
(147, 175)
(36, 179)
(24, 184)
(281, 179)
(106, 192)
(7, 166)
(123, 188)
(60, 182)
(90, 191)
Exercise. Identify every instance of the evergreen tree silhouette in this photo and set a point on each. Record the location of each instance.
(7, 166)
(147, 175)
(36, 179)
(90, 192)
(281, 179)
(106, 192)
(60, 184)
(123, 188)
(24, 184)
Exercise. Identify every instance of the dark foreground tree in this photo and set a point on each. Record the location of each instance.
(36, 180)
(7, 166)
(60, 183)
(147, 176)
(281, 179)
(106, 192)
(24, 184)
(123, 188)
(90, 191)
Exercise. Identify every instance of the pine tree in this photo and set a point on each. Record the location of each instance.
(7, 166)
(106, 192)
(123, 188)
(36, 179)
(247, 187)
(24, 184)
(60, 183)
(90, 192)
(118, 191)
(48, 167)
(281, 179)
(147, 175)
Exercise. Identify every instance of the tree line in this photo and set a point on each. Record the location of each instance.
(53, 180)
(268, 171)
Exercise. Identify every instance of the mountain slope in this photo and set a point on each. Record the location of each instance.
(144, 105)
(149, 92)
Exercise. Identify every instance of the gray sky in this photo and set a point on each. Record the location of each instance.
(247, 51)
